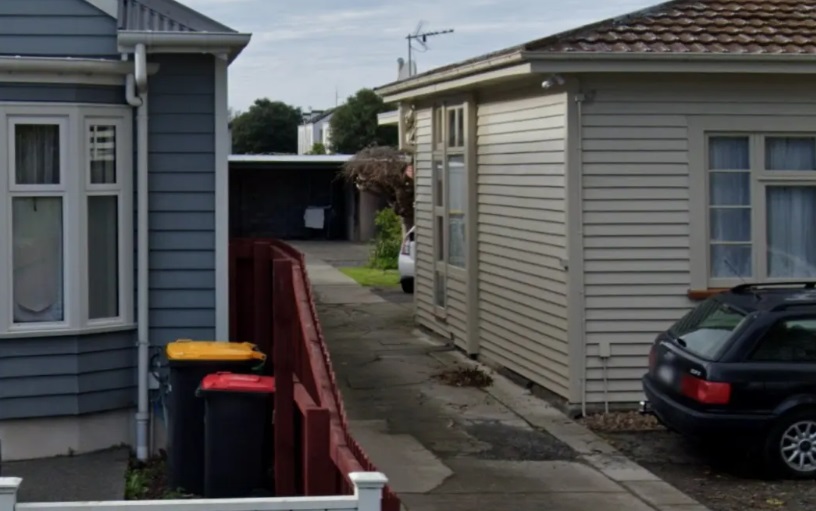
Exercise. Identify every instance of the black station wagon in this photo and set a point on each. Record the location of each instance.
(742, 366)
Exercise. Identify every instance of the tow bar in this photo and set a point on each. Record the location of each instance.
(645, 408)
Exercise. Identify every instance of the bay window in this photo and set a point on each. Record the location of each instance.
(761, 207)
(67, 209)
(450, 193)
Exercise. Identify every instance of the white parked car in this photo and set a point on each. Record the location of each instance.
(406, 262)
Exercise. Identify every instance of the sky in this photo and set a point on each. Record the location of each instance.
(310, 53)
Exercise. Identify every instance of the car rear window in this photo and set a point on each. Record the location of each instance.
(706, 329)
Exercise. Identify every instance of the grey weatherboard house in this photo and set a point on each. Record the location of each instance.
(99, 100)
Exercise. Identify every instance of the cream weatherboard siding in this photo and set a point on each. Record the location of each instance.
(636, 206)
(522, 235)
(423, 219)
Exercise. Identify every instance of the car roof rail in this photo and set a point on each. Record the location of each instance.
(806, 284)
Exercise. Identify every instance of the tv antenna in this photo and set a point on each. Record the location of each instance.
(422, 38)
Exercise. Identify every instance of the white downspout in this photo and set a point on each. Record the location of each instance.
(136, 92)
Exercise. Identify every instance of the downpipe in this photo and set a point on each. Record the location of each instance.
(136, 95)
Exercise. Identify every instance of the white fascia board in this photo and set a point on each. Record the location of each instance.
(483, 78)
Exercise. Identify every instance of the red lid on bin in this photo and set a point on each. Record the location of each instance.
(233, 382)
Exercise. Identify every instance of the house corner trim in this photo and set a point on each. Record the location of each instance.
(576, 330)
(222, 151)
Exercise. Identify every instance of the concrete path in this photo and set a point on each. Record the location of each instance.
(82, 477)
(449, 449)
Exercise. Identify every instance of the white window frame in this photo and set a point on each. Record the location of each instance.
(74, 188)
(756, 129)
(441, 150)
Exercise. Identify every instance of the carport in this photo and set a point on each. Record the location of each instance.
(273, 196)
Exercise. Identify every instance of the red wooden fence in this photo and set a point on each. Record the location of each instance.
(271, 304)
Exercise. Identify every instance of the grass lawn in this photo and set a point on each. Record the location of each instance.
(371, 277)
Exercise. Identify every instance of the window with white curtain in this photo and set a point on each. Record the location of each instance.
(761, 207)
(68, 202)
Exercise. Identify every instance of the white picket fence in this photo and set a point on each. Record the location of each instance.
(368, 487)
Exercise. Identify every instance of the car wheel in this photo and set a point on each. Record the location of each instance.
(790, 449)
(407, 285)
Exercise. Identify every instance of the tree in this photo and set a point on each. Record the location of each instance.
(317, 148)
(385, 171)
(267, 127)
(354, 124)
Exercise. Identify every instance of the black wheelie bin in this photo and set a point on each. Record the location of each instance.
(189, 362)
(236, 419)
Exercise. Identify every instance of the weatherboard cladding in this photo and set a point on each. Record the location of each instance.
(56, 28)
(66, 375)
(182, 198)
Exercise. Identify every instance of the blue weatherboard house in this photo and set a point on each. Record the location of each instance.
(114, 152)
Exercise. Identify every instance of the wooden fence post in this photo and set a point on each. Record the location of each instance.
(8, 492)
(368, 488)
(262, 291)
(286, 330)
(317, 466)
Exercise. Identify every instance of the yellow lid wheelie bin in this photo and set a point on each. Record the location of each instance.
(189, 362)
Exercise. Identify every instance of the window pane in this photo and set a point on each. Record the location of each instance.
(791, 228)
(439, 124)
(790, 153)
(439, 184)
(102, 156)
(36, 154)
(728, 153)
(730, 189)
(103, 257)
(457, 207)
(452, 127)
(439, 290)
(788, 341)
(37, 259)
(731, 261)
(707, 328)
(440, 238)
(460, 128)
(732, 224)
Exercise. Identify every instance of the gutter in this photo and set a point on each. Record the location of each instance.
(499, 61)
(68, 65)
(571, 59)
(232, 42)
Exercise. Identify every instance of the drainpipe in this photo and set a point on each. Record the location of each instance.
(136, 93)
(580, 97)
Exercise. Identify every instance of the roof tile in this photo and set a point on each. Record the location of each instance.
(698, 26)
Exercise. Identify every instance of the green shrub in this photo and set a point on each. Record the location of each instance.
(387, 240)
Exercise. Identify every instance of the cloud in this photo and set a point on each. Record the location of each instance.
(302, 51)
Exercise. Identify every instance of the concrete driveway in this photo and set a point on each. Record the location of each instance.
(451, 448)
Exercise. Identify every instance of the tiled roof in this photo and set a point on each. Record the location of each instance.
(690, 27)
(164, 16)
(698, 26)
